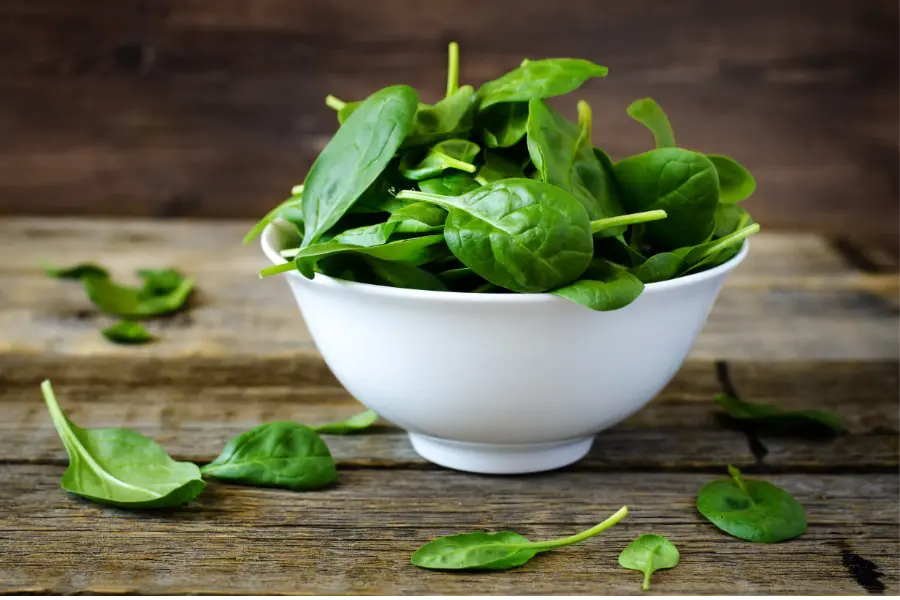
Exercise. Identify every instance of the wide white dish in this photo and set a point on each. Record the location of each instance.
(500, 383)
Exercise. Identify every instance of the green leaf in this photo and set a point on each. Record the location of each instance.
(495, 551)
(730, 218)
(357, 422)
(604, 286)
(423, 163)
(659, 267)
(503, 125)
(539, 79)
(766, 416)
(400, 275)
(365, 236)
(121, 467)
(752, 510)
(75, 271)
(282, 454)
(355, 157)
(735, 182)
(451, 117)
(132, 303)
(649, 114)
(127, 332)
(523, 235)
(682, 183)
(418, 217)
(159, 282)
(648, 554)
(496, 167)
(449, 184)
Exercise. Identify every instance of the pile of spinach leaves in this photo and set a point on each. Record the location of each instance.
(493, 190)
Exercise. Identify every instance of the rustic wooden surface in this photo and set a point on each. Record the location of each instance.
(215, 107)
(804, 322)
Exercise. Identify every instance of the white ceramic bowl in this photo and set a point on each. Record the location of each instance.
(501, 383)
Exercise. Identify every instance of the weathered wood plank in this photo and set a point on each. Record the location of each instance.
(193, 413)
(357, 536)
(794, 297)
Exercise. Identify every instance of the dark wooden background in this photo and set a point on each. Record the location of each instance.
(214, 107)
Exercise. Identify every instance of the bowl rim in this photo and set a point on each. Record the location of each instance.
(327, 281)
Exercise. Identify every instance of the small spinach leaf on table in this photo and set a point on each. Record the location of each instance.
(76, 271)
(421, 164)
(648, 554)
(805, 422)
(120, 467)
(736, 184)
(355, 157)
(603, 286)
(523, 235)
(538, 79)
(127, 332)
(282, 454)
(751, 509)
(357, 422)
(496, 551)
(135, 303)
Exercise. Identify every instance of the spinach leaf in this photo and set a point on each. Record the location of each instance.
(121, 467)
(357, 422)
(133, 303)
(380, 196)
(603, 286)
(449, 184)
(659, 267)
(523, 235)
(649, 114)
(496, 167)
(735, 182)
(294, 203)
(503, 125)
(766, 416)
(414, 251)
(564, 157)
(648, 554)
(752, 510)
(418, 217)
(366, 236)
(400, 275)
(681, 182)
(730, 218)
(76, 271)
(127, 332)
(495, 551)
(539, 79)
(282, 454)
(449, 118)
(450, 154)
(159, 282)
(355, 157)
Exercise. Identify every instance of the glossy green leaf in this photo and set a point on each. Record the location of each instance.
(381, 195)
(659, 267)
(503, 125)
(121, 467)
(421, 164)
(649, 114)
(648, 554)
(539, 79)
(418, 217)
(736, 184)
(523, 235)
(603, 286)
(401, 275)
(75, 271)
(282, 454)
(127, 332)
(778, 420)
(159, 282)
(449, 184)
(730, 218)
(682, 183)
(496, 167)
(451, 117)
(357, 422)
(751, 509)
(135, 303)
(355, 157)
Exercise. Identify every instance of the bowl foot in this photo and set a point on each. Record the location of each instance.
(500, 459)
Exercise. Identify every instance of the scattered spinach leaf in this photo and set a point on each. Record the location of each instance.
(76, 271)
(804, 422)
(648, 554)
(357, 422)
(127, 332)
(135, 303)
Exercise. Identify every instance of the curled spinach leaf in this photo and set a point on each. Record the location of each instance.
(649, 114)
(418, 217)
(357, 422)
(736, 184)
(450, 154)
(135, 303)
(503, 125)
(127, 332)
(539, 79)
(76, 271)
(603, 286)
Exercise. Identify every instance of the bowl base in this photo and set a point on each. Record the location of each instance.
(500, 459)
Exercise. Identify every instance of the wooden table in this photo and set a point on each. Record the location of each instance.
(804, 322)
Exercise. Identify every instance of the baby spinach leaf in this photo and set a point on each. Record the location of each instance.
(503, 125)
(355, 157)
(414, 251)
(730, 218)
(451, 117)
(418, 217)
(565, 158)
(523, 235)
(134, 303)
(449, 184)
(735, 182)
(380, 196)
(495, 551)
(357, 422)
(659, 267)
(709, 254)
(539, 79)
(294, 203)
(648, 554)
(282, 454)
(159, 282)
(75, 271)
(450, 154)
(681, 182)
(752, 510)
(127, 332)
(121, 467)
(603, 286)
(496, 167)
(400, 275)
(649, 114)
(766, 416)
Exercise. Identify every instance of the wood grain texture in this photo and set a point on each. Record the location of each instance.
(357, 536)
(794, 296)
(214, 108)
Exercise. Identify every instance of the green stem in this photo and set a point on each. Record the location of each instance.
(458, 164)
(276, 269)
(736, 475)
(573, 539)
(585, 118)
(452, 68)
(732, 238)
(422, 196)
(297, 190)
(333, 102)
(641, 217)
(646, 585)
